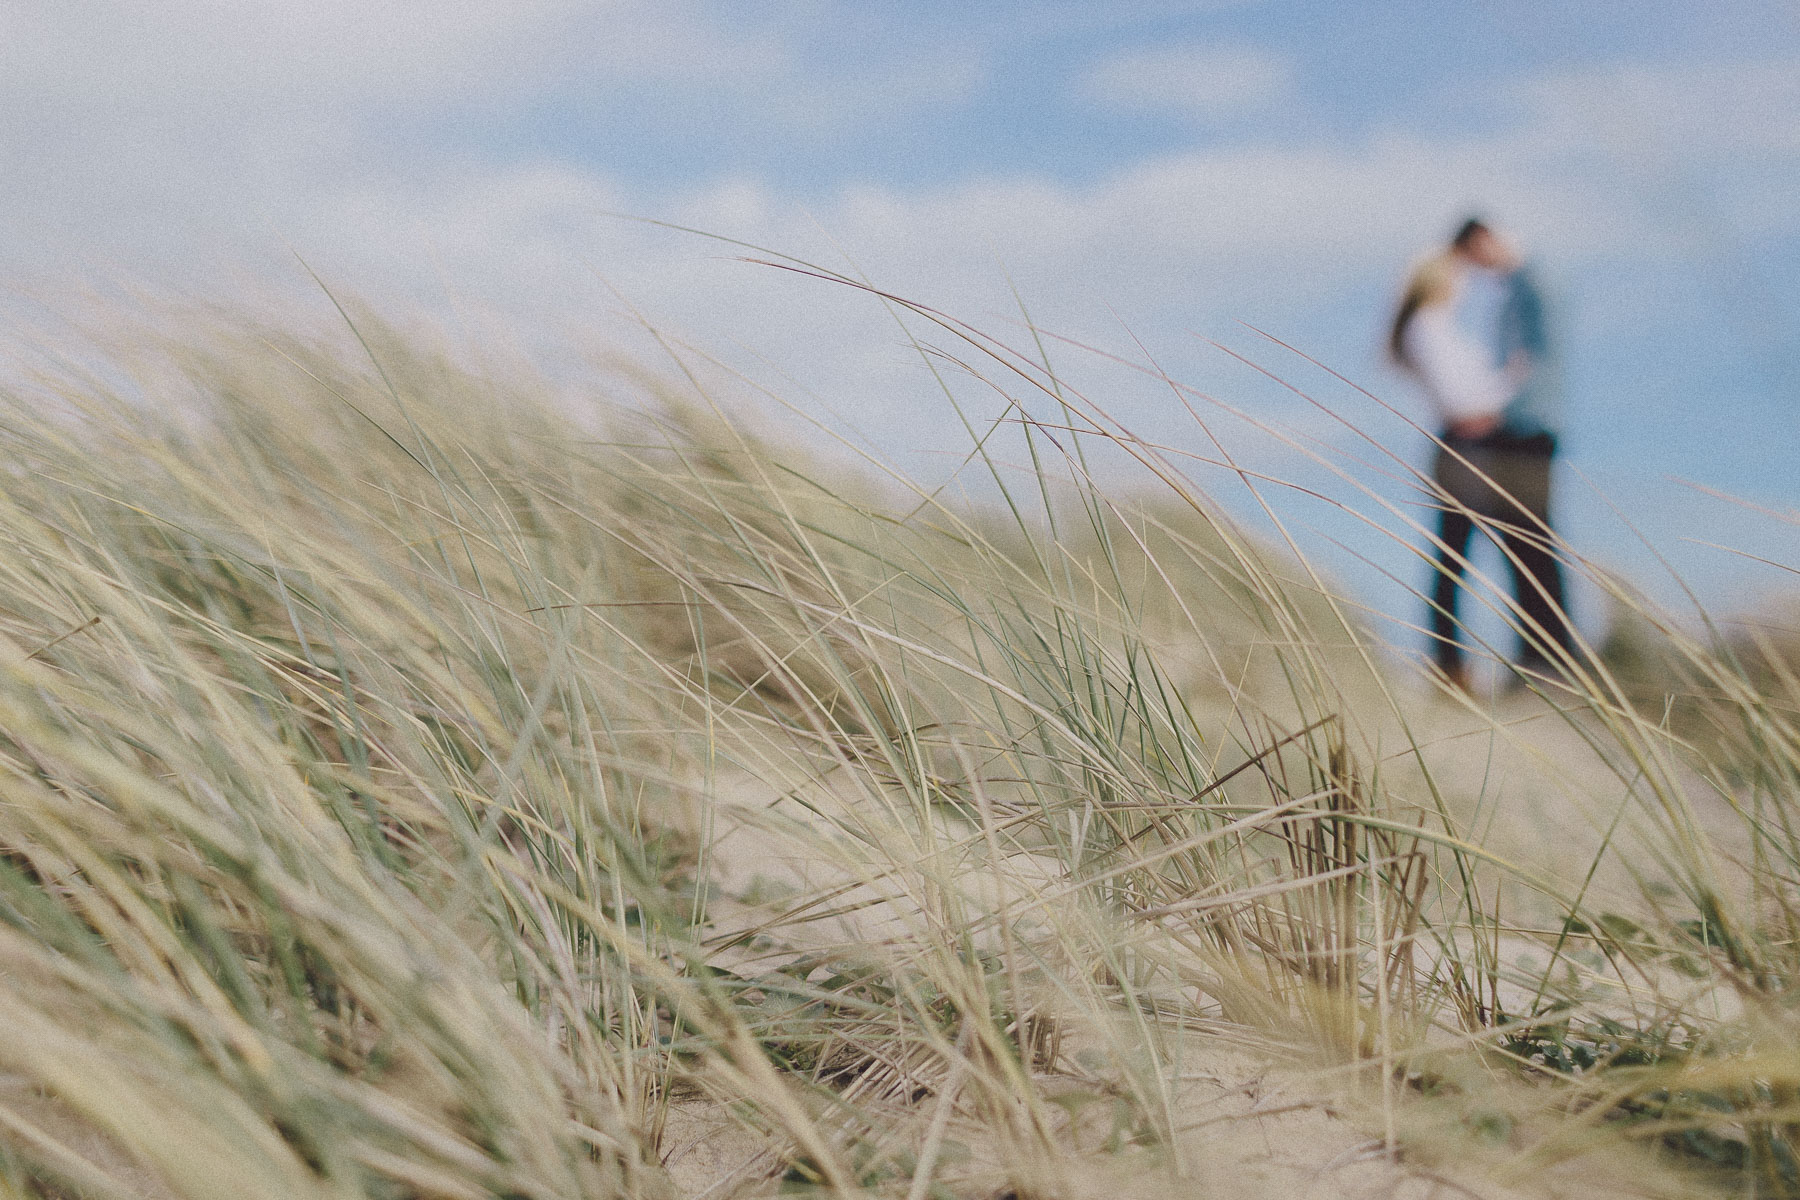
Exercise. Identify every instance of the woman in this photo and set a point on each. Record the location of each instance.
(1456, 372)
(1475, 468)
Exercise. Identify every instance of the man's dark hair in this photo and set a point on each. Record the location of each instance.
(1467, 232)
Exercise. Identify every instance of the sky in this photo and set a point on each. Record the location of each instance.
(1167, 182)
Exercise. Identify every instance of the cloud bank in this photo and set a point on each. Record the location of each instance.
(1195, 82)
(474, 155)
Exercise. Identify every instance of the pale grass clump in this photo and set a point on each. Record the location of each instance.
(410, 790)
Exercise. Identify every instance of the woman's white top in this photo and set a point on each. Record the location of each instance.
(1456, 371)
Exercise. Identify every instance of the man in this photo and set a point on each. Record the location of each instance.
(1495, 469)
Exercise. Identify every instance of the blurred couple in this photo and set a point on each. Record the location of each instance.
(1470, 330)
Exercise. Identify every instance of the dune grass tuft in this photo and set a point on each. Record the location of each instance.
(411, 789)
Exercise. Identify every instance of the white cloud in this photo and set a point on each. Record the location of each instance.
(187, 142)
(125, 124)
(1697, 111)
(173, 135)
(1711, 147)
(211, 150)
(1184, 242)
(1189, 238)
(410, 52)
(1194, 82)
(877, 97)
(1062, 18)
(234, 91)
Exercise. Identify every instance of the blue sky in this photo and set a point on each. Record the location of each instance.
(1142, 170)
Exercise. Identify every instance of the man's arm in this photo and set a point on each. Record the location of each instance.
(1524, 328)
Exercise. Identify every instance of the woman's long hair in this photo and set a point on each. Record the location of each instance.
(1432, 282)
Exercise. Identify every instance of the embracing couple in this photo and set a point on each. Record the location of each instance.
(1470, 329)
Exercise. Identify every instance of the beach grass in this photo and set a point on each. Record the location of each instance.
(417, 787)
